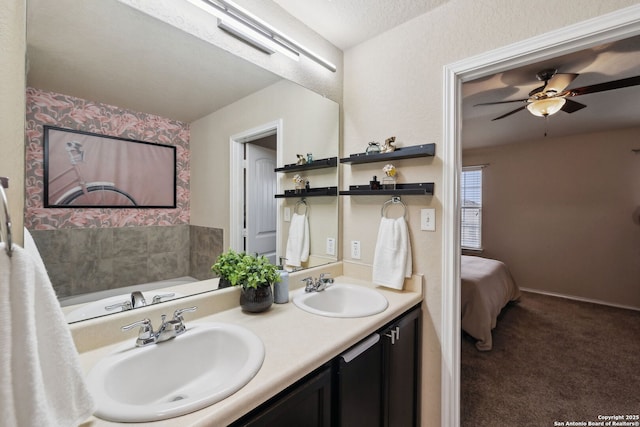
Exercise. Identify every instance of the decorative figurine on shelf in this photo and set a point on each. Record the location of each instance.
(299, 183)
(373, 148)
(389, 180)
(306, 186)
(309, 158)
(389, 145)
(302, 160)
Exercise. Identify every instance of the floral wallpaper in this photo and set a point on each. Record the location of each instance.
(48, 108)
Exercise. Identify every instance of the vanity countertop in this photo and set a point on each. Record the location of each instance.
(296, 343)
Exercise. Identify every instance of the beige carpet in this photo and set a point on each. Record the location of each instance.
(553, 360)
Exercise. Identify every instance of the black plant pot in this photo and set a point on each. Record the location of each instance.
(255, 300)
(224, 283)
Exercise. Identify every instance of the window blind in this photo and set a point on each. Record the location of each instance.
(471, 216)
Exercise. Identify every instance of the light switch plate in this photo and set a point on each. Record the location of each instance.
(287, 214)
(428, 219)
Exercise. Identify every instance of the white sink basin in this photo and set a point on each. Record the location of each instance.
(206, 364)
(97, 308)
(342, 300)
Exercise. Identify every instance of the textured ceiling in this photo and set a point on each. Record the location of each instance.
(608, 110)
(346, 23)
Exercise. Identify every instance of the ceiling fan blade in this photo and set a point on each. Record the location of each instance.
(502, 102)
(572, 106)
(601, 87)
(559, 82)
(510, 113)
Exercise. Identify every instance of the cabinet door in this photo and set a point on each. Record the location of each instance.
(401, 360)
(307, 404)
(359, 385)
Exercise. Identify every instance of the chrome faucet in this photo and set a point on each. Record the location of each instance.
(138, 300)
(318, 285)
(167, 330)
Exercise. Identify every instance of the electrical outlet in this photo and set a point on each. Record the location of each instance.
(355, 249)
(331, 246)
(428, 219)
(287, 214)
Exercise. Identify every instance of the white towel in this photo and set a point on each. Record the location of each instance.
(392, 258)
(298, 241)
(42, 382)
(30, 246)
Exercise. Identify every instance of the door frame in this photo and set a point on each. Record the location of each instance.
(236, 190)
(614, 26)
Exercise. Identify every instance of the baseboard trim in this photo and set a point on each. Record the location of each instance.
(593, 301)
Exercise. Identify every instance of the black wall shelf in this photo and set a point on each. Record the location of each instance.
(311, 192)
(424, 150)
(419, 189)
(330, 162)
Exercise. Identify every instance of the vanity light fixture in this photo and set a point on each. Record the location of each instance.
(255, 39)
(546, 107)
(254, 31)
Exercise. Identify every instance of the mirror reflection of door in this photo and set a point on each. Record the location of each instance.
(260, 213)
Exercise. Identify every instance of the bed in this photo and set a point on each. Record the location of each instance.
(486, 287)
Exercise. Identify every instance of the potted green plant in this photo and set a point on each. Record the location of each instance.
(226, 268)
(254, 274)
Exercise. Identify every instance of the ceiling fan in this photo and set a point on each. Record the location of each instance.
(553, 95)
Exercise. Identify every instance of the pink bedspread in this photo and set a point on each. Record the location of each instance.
(487, 286)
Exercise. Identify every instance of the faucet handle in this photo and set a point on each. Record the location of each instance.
(158, 298)
(177, 315)
(144, 324)
(145, 335)
(125, 306)
(178, 326)
(308, 284)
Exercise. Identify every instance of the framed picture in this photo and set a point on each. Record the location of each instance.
(84, 170)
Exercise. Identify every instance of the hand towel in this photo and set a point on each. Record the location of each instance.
(31, 247)
(42, 382)
(298, 242)
(392, 258)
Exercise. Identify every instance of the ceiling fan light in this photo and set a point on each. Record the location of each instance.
(546, 107)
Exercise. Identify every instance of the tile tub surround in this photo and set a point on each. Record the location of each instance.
(287, 358)
(83, 260)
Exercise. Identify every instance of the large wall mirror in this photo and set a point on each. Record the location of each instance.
(106, 68)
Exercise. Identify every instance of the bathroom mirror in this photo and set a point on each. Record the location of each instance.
(104, 66)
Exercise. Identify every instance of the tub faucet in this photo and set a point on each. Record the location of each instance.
(136, 300)
(167, 330)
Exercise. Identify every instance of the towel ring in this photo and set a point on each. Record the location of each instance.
(301, 202)
(394, 201)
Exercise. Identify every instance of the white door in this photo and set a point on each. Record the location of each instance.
(260, 202)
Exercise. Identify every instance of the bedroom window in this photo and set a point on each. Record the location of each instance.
(471, 201)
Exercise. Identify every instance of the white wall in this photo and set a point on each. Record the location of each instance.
(310, 124)
(564, 213)
(12, 107)
(393, 86)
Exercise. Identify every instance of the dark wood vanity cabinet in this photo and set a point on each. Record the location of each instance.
(401, 361)
(379, 387)
(305, 404)
(375, 383)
